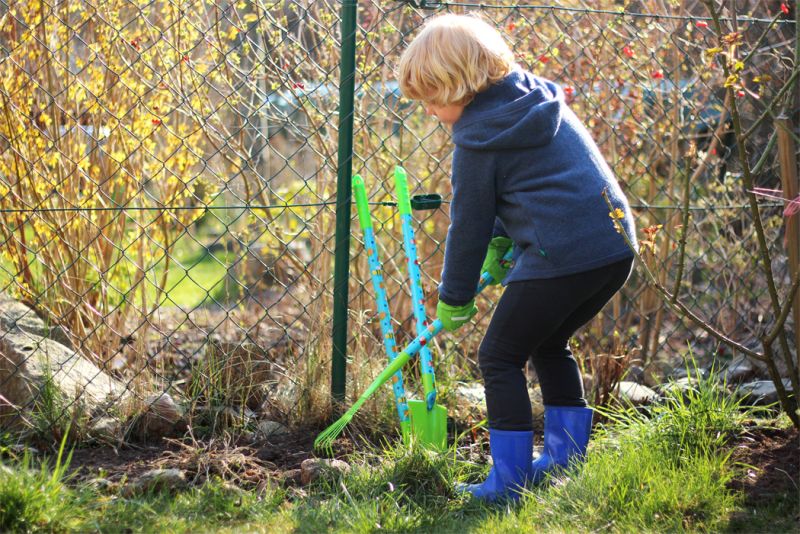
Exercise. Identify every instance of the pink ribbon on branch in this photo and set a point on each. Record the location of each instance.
(792, 205)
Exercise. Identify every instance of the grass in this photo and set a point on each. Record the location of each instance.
(200, 277)
(665, 472)
(36, 499)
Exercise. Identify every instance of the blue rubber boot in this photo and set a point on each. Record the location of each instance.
(566, 435)
(511, 454)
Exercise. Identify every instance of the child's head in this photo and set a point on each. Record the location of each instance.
(452, 59)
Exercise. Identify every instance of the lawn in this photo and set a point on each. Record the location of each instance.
(687, 466)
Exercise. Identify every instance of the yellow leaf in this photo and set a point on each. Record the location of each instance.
(617, 214)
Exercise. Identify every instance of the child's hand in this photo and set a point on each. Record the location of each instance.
(454, 317)
(494, 254)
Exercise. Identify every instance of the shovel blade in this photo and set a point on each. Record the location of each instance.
(429, 428)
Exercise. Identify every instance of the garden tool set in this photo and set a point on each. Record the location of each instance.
(425, 421)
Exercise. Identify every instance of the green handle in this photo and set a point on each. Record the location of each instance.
(399, 361)
(401, 186)
(360, 193)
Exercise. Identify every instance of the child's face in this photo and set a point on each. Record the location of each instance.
(448, 114)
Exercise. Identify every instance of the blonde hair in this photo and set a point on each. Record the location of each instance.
(452, 59)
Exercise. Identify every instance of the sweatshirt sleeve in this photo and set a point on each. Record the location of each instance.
(472, 221)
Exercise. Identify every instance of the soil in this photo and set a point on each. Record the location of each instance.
(245, 464)
(773, 459)
(771, 454)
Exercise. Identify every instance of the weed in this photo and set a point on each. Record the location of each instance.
(54, 415)
(33, 499)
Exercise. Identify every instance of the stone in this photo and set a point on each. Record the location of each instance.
(761, 392)
(472, 394)
(738, 370)
(271, 428)
(312, 469)
(102, 485)
(683, 372)
(471, 401)
(18, 317)
(156, 480)
(635, 374)
(235, 417)
(537, 402)
(161, 417)
(28, 360)
(637, 394)
(106, 429)
(680, 385)
(292, 477)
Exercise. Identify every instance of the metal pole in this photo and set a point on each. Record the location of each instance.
(341, 269)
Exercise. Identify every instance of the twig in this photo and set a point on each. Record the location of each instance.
(675, 303)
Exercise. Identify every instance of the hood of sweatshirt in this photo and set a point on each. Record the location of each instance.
(520, 111)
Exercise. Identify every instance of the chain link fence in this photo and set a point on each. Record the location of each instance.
(168, 196)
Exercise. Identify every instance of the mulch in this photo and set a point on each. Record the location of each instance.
(771, 463)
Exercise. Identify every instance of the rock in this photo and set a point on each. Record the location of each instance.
(473, 394)
(249, 437)
(292, 477)
(156, 480)
(588, 382)
(162, 418)
(271, 428)
(761, 392)
(738, 370)
(28, 360)
(235, 417)
(18, 318)
(106, 429)
(537, 402)
(102, 485)
(637, 394)
(635, 374)
(313, 468)
(471, 400)
(683, 372)
(678, 386)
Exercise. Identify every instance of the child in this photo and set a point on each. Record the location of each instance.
(527, 174)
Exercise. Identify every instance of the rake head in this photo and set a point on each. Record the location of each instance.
(324, 441)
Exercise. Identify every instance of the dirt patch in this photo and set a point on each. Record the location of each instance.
(244, 464)
(773, 457)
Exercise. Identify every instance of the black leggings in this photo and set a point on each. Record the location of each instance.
(536, 318)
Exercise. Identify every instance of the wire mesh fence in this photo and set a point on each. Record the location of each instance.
(168, 195)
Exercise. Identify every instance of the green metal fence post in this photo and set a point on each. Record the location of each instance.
(341, 269)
